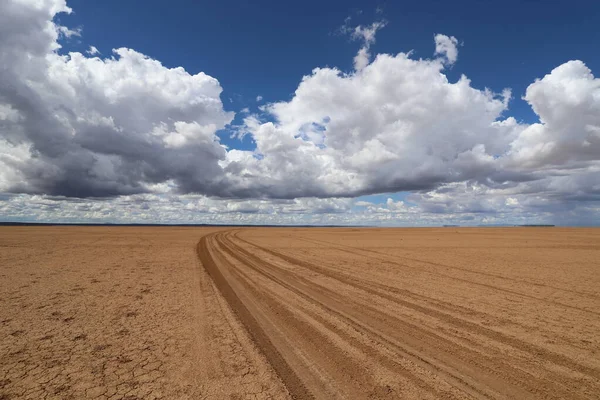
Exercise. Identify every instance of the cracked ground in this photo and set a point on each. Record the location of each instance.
(259, 313)
(119, 313)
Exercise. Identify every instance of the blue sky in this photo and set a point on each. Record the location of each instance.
(265, 49)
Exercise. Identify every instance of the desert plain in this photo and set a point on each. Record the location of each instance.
(281, 313)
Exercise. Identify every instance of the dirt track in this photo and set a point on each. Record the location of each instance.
(418, 314)
(277, 313)
(119, 313)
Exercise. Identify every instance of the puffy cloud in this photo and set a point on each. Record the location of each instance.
(169, 208)
(560, 198)
(193, 209)
(446, 46)
(398, 124)
(92, 51)
(365, 34)
(389, 207)
(567, 101)
(79, 126)
(511, 201)
(362, 58)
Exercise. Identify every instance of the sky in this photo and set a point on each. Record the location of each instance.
(326, 113)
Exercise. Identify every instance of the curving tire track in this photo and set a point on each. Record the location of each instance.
(254, 328)
(385, 257)
(329, 334)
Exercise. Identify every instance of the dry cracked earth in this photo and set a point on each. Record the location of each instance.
(277, 313)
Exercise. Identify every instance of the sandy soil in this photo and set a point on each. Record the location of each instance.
(119, 313)
(304, 313)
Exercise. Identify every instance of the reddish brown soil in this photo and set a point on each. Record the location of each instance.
(119, 313)
(305, 313)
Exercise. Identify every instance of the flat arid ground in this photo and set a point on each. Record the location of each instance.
(258, 313)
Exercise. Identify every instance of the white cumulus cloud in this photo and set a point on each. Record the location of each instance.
(125, 126)
(397, 124)
(446, 46)
(567, 101)
(84, 126)
(366, 35)
(92, 51)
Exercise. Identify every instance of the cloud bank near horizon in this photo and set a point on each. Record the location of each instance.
(82, 127)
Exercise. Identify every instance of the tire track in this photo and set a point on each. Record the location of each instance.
(258, 335)
(384, 291)
(329, 334)
(357, 251)
(286, 281)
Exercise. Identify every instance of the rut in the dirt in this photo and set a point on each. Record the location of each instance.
(332, 328)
